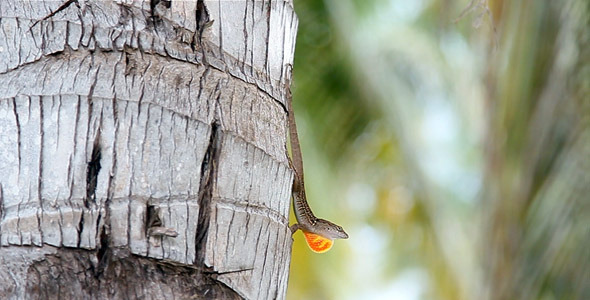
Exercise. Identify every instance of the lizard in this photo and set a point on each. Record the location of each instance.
(319, 233)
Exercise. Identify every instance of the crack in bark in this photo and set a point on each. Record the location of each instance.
(18, 134)
(102, 254)
(208, 172)
(80, 228)
(1, 207)
(203, 22)
(92, 169)
(61, 8)
(152, 218)
(202, 19)
(40, 170)
(154, 18)
(215, 273)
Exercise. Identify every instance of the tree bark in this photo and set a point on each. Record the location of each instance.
(142, 149)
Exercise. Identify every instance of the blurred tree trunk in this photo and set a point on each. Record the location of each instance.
(538, 187)
(142, 149)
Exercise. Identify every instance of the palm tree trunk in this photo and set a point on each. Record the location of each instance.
(142, 149)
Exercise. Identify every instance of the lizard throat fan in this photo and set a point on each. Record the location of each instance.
(318, 243)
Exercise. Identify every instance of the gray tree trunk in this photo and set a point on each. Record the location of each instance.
(142, 149)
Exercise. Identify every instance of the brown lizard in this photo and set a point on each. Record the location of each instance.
(319, 233)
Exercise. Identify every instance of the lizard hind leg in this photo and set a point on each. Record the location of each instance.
(318, 243)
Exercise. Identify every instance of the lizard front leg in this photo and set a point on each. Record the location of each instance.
(294, 228)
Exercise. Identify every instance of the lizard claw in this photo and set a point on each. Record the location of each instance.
(294, 228)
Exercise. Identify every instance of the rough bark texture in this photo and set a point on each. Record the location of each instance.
(121, 119)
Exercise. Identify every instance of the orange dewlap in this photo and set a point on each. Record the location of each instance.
(318, 243)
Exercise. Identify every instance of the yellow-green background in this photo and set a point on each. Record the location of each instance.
(454, 151)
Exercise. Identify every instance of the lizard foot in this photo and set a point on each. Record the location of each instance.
(294, 228)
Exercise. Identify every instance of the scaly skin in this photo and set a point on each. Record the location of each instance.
(319, 233)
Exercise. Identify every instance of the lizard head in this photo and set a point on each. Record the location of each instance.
(322, 239)
(329, 230)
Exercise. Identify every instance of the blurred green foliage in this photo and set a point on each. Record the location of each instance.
(325, 83)
(455, 151)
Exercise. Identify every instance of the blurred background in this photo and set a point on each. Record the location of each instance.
(451, 139)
